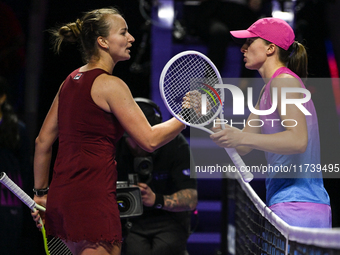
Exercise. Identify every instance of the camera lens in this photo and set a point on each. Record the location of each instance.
(129, 201)
(143, 165)
(124, 204)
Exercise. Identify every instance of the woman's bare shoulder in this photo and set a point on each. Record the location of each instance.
(285, 80)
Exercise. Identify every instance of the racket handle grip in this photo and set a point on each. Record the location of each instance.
(237, 160)
(16, 190)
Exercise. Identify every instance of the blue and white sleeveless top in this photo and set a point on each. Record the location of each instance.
(297, 185)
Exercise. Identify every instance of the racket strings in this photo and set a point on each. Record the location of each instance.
(192, 73)
(57, 247)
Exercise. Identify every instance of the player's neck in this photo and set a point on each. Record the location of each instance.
(105, 64)
(268, 70)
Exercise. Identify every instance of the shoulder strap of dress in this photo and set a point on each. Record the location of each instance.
(286, 70)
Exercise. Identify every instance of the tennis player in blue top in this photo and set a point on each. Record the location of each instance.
(299, 198)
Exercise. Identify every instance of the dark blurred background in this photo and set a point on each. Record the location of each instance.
(35, 73)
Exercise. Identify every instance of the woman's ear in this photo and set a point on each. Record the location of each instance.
(102, 42)
(271, 48)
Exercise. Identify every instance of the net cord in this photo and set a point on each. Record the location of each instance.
(321, 237)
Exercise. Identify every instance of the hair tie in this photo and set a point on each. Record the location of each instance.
(79, 24)
(294, 46)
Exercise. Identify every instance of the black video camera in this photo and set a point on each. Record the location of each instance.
(143, 167)
(129, 200)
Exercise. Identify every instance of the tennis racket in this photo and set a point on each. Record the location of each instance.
(192, 71)
(53, 246)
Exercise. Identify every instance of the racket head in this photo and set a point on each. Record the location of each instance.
(191, 71)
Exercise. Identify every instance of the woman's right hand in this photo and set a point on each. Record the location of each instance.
(229, 137)
(193, 100)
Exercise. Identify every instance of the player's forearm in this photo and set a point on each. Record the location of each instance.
(183, 200)
(42, 161)
(243, 150)
(284, 143)
(165, 132)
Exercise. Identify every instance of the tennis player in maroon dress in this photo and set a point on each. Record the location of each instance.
(89, 115)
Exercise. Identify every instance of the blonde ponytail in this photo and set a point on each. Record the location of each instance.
(85, 31)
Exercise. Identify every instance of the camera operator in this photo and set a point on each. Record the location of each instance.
(168, 193)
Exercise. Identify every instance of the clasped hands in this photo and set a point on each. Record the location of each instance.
(228, 137)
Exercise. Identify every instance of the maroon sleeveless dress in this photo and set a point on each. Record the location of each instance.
(81, 202)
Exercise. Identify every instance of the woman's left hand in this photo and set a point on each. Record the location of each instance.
(39, 214)
(229, 137)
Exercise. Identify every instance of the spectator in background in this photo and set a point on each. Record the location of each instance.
(216, 18)
(12, 54)
(168, 193)
(213, 22)
(14, 158)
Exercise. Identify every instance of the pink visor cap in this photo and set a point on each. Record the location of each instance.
(274, 30)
